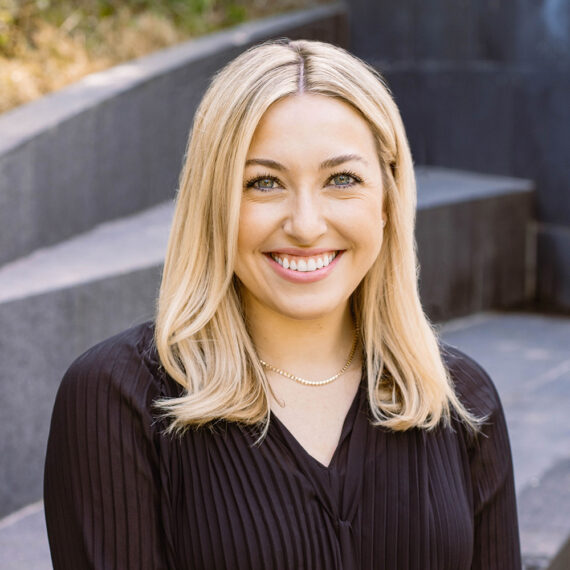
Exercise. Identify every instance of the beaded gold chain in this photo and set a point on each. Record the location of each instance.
(306, 382)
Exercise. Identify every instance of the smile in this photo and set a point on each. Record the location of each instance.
(304, 264)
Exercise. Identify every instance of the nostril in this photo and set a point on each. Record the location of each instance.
(306, 223)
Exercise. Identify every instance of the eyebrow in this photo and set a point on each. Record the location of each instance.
(341, 159)
(265, 162)
(329, 163)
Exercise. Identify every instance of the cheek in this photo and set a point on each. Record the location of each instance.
(254, 227)
(247, 227)
(365, 223)
(371, 237)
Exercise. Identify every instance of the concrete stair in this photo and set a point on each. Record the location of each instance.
(23, 540)
(54, 304)
(527, 356)
(474, 234)
(475, 241)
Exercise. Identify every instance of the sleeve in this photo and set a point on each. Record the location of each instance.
(496, 536)
(102, 475)
(496, 543)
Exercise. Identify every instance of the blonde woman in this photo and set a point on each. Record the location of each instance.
(290, 407)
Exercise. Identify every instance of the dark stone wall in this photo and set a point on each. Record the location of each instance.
(456, 30)
(530, 31)
(484, 85)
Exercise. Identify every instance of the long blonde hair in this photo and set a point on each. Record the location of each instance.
(201, 337)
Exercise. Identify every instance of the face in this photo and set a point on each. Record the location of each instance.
(311, 212)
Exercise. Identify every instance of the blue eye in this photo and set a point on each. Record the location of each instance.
(263, 183)
(344, 180)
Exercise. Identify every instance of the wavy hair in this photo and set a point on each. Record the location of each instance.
(201, 336)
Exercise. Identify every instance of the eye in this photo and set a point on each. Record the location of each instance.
(263, 183)
(344, 179)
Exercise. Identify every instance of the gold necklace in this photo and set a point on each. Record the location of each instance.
(316, 382)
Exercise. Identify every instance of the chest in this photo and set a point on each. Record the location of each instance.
(386, 501)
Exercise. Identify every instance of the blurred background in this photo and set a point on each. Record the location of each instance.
(47, 44)
(96, 100)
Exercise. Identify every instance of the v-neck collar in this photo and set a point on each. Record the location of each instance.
(301, 453)
(338, 485)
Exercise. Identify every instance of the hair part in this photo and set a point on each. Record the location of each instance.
(201, 335)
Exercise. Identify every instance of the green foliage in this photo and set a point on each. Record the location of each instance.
(6, 21)
(18, 17)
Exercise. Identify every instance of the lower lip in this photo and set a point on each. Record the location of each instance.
(303, 276)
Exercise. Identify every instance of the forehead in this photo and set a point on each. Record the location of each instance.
(298, 121)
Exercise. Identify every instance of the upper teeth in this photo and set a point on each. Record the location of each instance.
(304, 263)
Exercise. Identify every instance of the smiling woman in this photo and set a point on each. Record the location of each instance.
(290, 407)
(310, 211)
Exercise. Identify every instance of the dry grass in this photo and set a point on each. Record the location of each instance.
(48, 44)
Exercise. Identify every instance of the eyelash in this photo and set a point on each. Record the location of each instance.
(250, 183)
(355, 180)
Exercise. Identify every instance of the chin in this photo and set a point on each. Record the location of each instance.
(310, 312)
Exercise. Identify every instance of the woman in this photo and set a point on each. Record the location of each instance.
(290, 407)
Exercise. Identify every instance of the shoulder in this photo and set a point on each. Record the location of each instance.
(125, 365)
(472, 384)
(130, 345)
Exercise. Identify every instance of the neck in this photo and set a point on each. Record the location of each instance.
(311, 348)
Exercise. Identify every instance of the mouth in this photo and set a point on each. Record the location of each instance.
(304, 264)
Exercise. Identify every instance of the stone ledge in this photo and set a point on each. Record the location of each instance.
(23, 540)
(485, 265)
(544, 521)
(113, 248)
(475, 241)
(113, 143)
(444, 186)
(54, 304)
(526, 354)
(40, 336)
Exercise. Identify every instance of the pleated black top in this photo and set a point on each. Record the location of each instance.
(120, 494)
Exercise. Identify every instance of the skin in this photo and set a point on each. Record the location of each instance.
(312, 189)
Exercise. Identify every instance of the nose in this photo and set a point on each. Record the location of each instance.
(306, 221)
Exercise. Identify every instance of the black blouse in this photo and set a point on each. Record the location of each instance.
(121, 494)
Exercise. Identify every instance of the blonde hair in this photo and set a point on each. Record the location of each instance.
(201, 336)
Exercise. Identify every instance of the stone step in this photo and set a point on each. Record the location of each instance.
(527, 357)
(475, 241)
(23, 540)
(54, 304)
(113, 248)
(543, 513)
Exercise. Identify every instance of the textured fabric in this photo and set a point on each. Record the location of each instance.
(120, 494)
